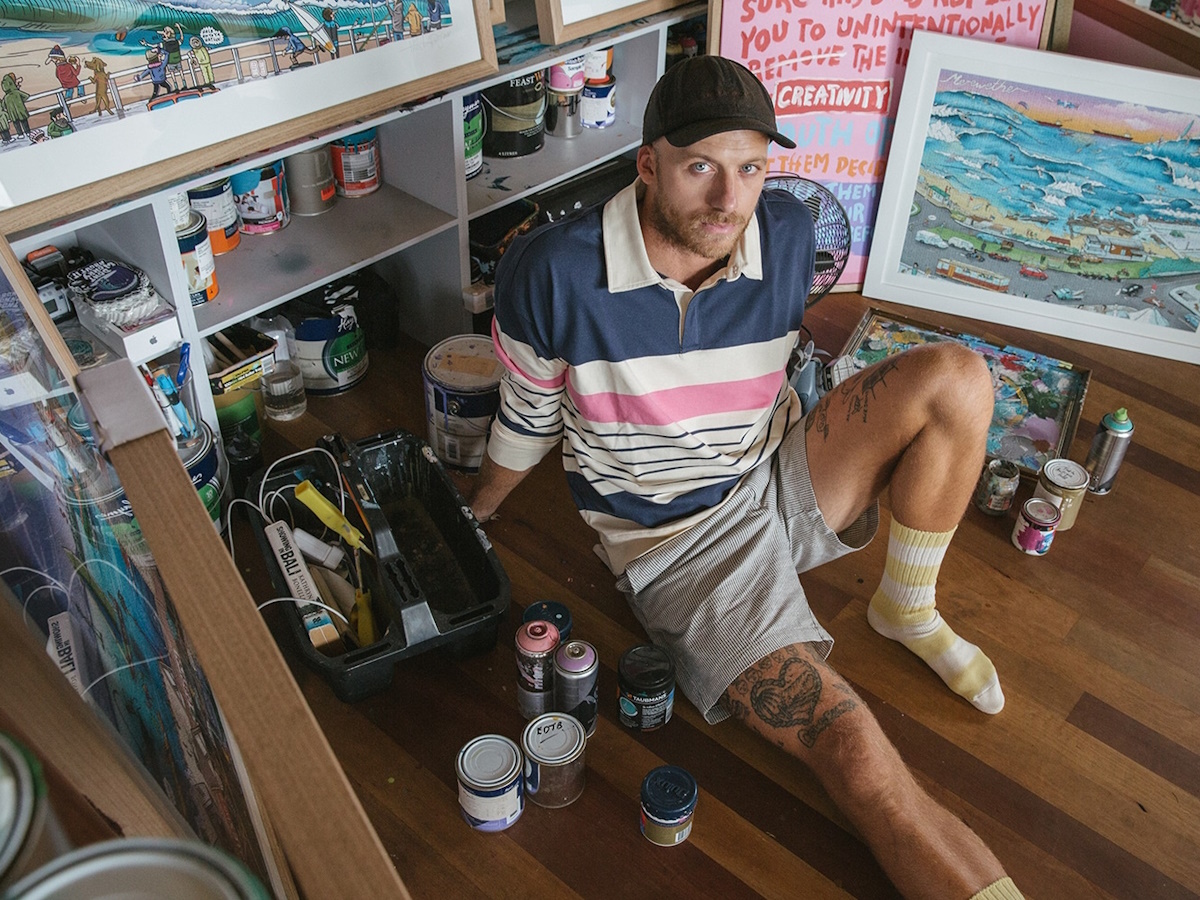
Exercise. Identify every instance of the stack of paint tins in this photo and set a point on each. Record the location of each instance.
(598, 105)
(515, 116)
(195, 250)
(564, 94)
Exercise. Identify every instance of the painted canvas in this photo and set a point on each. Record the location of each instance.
(1038, 398)
(1049, 200)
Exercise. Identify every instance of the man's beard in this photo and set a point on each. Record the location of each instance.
(688, 233)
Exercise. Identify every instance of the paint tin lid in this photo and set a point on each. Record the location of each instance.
(1041, 512)
(465, 362)
(575, 657)
(159, 867)
(554, 739)
(1065, 474)
(646, 668)
(359, 137)
(488, 761)
(550, 611)
(669, 793)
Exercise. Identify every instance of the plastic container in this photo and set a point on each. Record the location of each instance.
(434, 581)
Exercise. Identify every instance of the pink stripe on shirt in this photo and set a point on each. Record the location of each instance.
(682, 403)
(507, 362)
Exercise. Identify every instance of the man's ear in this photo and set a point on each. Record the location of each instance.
(646, 164)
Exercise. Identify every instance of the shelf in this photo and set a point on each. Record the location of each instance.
(1149, 28)
(265, 270)
(502, 181)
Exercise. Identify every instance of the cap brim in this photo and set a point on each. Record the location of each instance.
(698, 131)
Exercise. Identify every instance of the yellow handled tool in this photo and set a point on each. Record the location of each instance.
(330, 515)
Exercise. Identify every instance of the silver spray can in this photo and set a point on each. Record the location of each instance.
(1107, 451)
(576, 671)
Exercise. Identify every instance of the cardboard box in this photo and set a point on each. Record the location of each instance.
(255, 354)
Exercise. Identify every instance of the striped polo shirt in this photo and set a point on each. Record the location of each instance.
(661, 398)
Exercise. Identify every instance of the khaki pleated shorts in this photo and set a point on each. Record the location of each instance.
(726, 592)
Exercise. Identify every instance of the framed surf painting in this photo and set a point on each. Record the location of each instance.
(113, 99)
(560, 21)
(1046, 192)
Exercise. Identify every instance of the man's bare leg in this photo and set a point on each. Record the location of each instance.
(797, 702)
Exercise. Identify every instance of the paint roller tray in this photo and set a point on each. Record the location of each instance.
(435, 579)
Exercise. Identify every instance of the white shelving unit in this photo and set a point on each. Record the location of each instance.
(414, 229)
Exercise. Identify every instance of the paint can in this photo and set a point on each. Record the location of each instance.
(177, 203)
(567, 75)
(356, 163)
(576, 682)
(535, 646)
(563, 114)
(215, 202)
(598, 104)
(198, 263)
(260, 195)
(1064, 483)
(550, 611)
(30, 833)
(646, 679)
(1108, 450)
(516, 116)
(555, 771)
(597, 65)
(998, 483)
(310, 181)
(491, 793)
(207, 471)
(331, 349)
(1035, 526)
(462, 394)
(144, 867)
(669, 796)
(473, 125)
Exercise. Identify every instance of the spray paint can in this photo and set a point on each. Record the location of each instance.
(536, 643)
(576, 681)
(1108, 449)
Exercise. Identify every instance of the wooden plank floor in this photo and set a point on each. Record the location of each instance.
(1086, 785)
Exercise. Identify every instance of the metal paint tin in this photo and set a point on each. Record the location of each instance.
(576, 681)
(331, 349)
(567, 75)
(1108, 450)
(597, 65)
(356, 163)
(310, 181)
(491, 793)
(215, 202)
(177, 203)
(260, 195)
(462, 394)
(142, 867)
(535, 646)
(1035, 526)
(1064, 483)
(563, 116)
(516, 116)
(598, 105)
(196, 251)
(30, 833)
(550, 611)
(997, 486)
(646, 678)
(472, 134)
(669, 796)
(555, 770)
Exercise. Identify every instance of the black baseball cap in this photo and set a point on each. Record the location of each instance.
(706, 95)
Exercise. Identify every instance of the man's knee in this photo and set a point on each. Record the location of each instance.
(957, 383)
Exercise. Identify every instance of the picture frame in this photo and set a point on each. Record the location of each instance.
(560, 21)
(1038, 398)
(834, 71)
(497, 11)
(1045, 192)
(256, 97)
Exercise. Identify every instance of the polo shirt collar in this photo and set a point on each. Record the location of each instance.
(627, 264)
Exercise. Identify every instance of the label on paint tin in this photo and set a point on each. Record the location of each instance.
(331, 351)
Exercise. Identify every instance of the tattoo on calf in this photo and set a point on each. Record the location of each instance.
(790, 700)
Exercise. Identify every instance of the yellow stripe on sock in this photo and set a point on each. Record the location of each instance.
(1004, 889)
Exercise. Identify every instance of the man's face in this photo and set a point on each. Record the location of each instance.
(700, 198)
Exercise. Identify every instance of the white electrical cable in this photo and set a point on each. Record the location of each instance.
(297, 600)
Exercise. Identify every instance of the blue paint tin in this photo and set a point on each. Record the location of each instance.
(490, 790)
(669, 796)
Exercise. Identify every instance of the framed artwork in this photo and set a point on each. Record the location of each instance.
(1047, 192)
(135, 100)
(560, 21)
(834, 71)
(1038, 398)
(496, 10)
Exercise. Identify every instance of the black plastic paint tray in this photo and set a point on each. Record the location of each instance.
(434, 580)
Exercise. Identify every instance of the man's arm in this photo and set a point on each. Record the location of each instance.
(489, 488)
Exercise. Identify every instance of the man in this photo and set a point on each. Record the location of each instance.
(650, 339)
